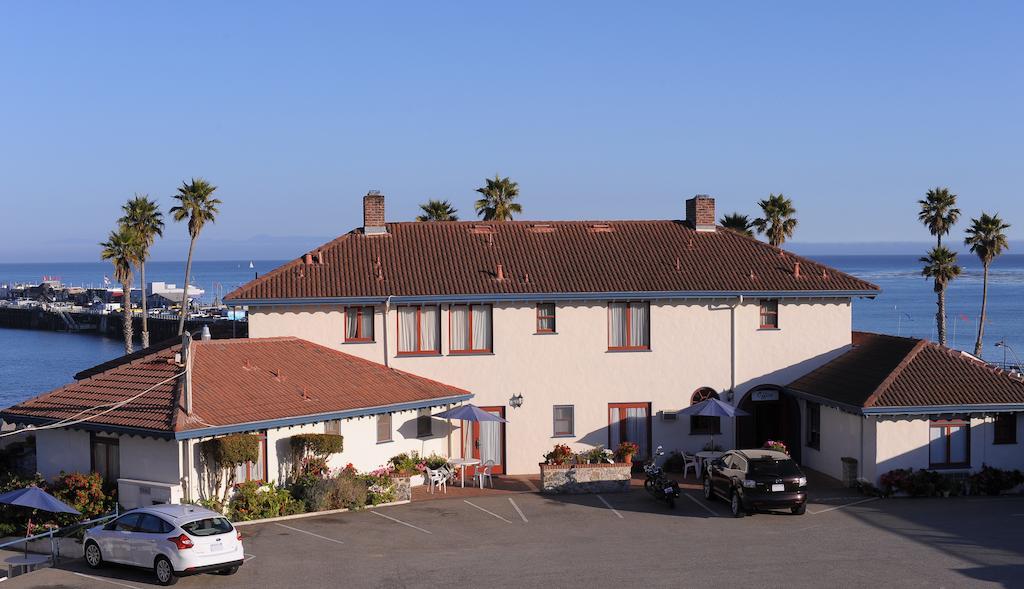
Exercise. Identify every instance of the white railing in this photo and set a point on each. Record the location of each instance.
(54, 534)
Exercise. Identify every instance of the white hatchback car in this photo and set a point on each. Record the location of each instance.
(172, 540)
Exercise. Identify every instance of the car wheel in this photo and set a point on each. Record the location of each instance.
(164, 571)
(93, 555)
(799, 509)
(228, 571)
(736, 505)
(709, 493)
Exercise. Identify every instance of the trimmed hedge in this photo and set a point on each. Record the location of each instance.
(320, 445)
(233, 450)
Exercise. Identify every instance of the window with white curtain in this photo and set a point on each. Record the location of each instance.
(470, 328)
(949, 444)
(418, 329)
(359, 324)
(629, 326)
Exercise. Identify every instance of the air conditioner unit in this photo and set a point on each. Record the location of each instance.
(669, 416)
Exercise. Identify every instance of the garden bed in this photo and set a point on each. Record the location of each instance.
(585, 478)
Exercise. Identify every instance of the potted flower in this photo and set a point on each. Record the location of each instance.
(559, 455)
(777, 446)
(626, 450)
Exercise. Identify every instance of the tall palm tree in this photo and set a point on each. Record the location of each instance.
(987, 240)
(940, 265)
(197, 205)
(122, 249)
(778, 222)
(498, 203)
(739, 223)
(938, 212)
(143, 216)
(438, 210)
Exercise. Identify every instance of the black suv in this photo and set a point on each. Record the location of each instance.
(756, 479)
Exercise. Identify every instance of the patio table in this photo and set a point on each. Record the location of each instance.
(462, 463)
(25, 561)
(707, 455)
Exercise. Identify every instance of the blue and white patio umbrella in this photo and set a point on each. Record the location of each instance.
(36, 498)
(713, 408)
(470, 412)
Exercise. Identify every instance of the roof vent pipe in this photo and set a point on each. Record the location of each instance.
(501, 272)
(796, 270)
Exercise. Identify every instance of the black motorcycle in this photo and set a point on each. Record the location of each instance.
(657, 484)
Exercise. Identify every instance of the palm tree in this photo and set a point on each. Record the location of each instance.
(122, 248)
(778, 222)
(498, 203)
(987, 239)
(143, 216)
(940, 265)
(438, 210)
(739, 223)
(195, 203)
(938, 212)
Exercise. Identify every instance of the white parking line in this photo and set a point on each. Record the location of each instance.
(398, 521)
(105, 580)
(609, 506)
(842, 506)
(519, 511)
(311, 534)
(486, 511)
(694, 499)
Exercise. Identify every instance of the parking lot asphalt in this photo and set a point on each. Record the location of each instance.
(618, 539)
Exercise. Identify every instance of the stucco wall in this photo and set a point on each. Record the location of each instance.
(690, 349)
(840, 436)
(62, 449)
(360, 446)
(148, 459)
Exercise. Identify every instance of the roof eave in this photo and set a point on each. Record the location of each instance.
(560, 296)
(317, 417)
(940, 409)
(85, 426)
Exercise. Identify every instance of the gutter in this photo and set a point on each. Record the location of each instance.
(910, 409)
(563, 296)
(316, 417)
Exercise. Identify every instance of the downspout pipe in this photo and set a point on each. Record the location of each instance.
(387, 313)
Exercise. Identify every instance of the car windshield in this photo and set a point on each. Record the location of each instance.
(774, 468)
(210, 526)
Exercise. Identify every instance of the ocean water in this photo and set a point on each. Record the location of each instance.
(33, 362)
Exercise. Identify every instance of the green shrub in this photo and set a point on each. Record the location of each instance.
(222, 455)
(407, 463)
(379, 488)
(346, 490)
(317, 444)
(434, 462)
(992, 481)
(255, 500)
(84, 492)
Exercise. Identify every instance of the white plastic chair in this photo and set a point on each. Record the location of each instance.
(438, 478)
(484, 471)
(690, 461)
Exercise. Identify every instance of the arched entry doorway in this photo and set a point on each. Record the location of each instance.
(774, 415)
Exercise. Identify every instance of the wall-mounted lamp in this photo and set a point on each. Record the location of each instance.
(516, 401)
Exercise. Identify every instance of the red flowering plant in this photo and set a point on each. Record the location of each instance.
(777, 446)
(626, 449)
(559, 455)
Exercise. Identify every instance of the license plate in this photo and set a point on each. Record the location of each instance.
(777, 488)
(216, 547)
(669, 490)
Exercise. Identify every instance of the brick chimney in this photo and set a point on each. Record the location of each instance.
(700, 212)
(373, 213)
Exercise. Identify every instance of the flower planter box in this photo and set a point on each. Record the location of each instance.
(585, 478)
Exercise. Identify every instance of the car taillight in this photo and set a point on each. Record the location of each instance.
(183, 542)
(238, 535)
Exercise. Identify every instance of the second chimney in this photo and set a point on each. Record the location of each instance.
(700, 212)
(373, 213)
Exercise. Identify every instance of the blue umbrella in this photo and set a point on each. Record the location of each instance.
(713, 408)
(36, 498)
(470, 412)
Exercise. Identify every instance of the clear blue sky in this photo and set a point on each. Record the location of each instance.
(599, 110)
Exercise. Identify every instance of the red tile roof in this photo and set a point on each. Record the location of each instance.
(234, 382)
(887, 371)
(461, 258)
